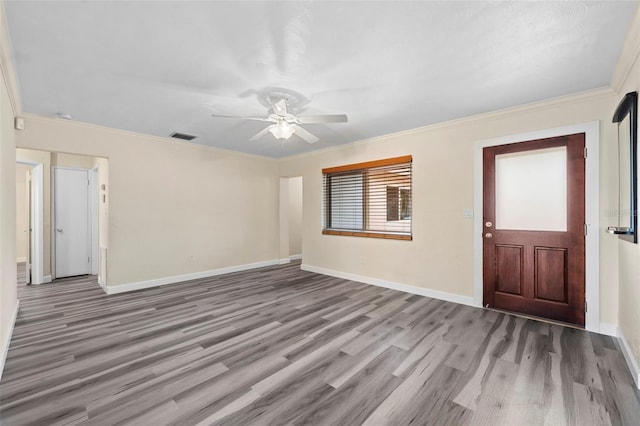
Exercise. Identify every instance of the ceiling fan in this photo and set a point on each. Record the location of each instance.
(286, 123)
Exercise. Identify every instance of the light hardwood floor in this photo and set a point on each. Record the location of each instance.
(282, 346)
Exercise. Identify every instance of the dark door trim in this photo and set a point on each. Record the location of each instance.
(592, 212)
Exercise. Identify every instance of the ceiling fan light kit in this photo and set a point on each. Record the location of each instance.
(282, 130)
(286, 123)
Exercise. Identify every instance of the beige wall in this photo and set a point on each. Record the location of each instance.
(295, 216)
(174, 208)
(22, 211)
(8, 289)
(629, 262)
(440, 257)
(61, 159)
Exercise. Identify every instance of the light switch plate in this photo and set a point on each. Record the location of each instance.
(468, 213)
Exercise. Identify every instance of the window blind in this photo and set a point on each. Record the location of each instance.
(372, 199)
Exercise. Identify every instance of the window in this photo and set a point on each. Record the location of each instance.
(370, 199)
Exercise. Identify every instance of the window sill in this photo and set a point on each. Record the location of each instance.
(366, 234)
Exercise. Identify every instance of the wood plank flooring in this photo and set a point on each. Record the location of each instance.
(282, 346)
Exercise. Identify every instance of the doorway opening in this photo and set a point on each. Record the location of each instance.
(54, 258)
(290, 247)
(30, 219)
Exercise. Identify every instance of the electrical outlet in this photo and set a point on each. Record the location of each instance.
(467, 213)
(362, 260)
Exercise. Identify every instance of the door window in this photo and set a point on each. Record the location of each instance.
(531, 190)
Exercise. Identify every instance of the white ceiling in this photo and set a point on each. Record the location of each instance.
(152, 66)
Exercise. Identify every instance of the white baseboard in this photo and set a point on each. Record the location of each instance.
(8, 342)
(21, 260)
(615, 331)
(435, 294)
(630, 358)
(104, 287)
(289, 259)
(46, 279)
(186, 277)
(608, 329)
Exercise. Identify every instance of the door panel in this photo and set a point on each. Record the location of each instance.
(533, 234)
(72, 222)
(551, 274)
(509, 269)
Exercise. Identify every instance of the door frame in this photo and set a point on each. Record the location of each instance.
(53, 217)
(592, 210)
(94, 199)
(36, 221)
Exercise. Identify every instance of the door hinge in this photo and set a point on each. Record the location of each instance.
(585, 306)
(586, 229)
(585, 152)
(88, 182)
(88, 259)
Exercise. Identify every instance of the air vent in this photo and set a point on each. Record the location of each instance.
(183, 136)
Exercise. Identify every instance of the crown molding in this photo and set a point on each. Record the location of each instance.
(530, 107)
(30, 117)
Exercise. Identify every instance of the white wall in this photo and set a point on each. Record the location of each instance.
(440, 257)
(22, 212)
(175, 208)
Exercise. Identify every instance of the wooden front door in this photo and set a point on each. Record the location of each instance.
(534, 228)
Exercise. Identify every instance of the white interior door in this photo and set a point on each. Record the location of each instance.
(72, 230)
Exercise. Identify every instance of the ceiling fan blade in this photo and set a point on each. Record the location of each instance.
(261, 133)
(280, 107)
(241, 118)
(334, 118)
(305, 134)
